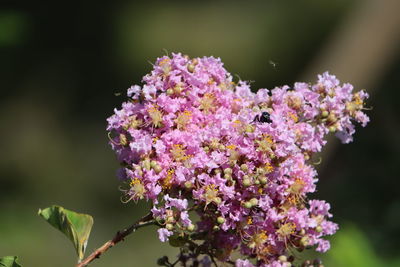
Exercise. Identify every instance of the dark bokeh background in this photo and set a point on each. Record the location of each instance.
(61, 65)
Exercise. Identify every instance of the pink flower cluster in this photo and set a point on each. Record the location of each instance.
(228, 169)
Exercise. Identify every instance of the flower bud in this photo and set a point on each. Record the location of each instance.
(146, 164)
(324, 114)
(304, 241)
(216, 228)
(263, 180)
(332, 129)
(244, 167)
(195, 61)
(153, 163)
(246, 181)
(247, 205)
(228, 170)
(318, 229)
(170, 91)
(157, 169)
(169, 226)
(282, 258)
(177, 89)
(191, 227)
(188, 184)
(220, 220)
(191, 68)
(331, 118)
(254, 201)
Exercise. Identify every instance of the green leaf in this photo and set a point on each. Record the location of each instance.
(176, 241)
(9, 261)
(76, 226)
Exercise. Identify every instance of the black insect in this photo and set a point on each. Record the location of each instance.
(264, 117)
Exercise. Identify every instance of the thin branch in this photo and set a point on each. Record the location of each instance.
(144, 221)
(213, 260)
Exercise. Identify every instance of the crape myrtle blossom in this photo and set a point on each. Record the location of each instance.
(219, 180)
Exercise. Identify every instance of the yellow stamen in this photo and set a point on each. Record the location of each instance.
(207, 102)
(183, 119)
(232, 147)
(167, 182)
(293, 116)
(287, 229)
(155, 115)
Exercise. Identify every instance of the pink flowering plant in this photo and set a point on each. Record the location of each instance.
(228, 170)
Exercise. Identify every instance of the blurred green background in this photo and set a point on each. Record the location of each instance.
(62, 63)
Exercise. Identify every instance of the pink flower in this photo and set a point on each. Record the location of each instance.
(163, 234)
(191, 139)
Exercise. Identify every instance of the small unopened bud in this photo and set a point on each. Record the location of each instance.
(304, 241)
(246, 182)
(244, 167)
(170, 91)
(217, 200)
(228, 170)
(146, 164)
(216, 228)
(157, 169)
(257, 182)
(318, 229)
(153, 163)
(227, 176)
(260, 171)
(324, 114)
(206, 148)
(332, 118)
(169, 226)
(332, 129)
(195, 61)
(282, 258)
(191, 227)
(188, 184)
(263, 180)
(247, 205)
(170, 219)
(191, 68)
(220, 220)
(254, 201)
(177, 89)
(221, 147)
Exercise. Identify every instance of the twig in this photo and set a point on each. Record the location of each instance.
(213, 260)
(146, 220)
